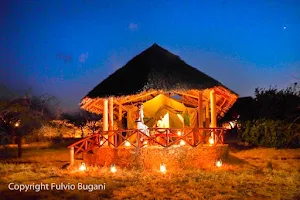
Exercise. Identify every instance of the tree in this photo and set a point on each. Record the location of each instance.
(19, 116)
(276, 121)
(81, 119)
(277, 104)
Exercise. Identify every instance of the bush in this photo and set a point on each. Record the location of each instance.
(49, 132)
(271, 133)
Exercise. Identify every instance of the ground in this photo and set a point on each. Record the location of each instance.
(258, 173)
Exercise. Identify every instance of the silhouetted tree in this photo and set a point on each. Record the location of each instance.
(277, 104)
(81, 119)
(19, 116)
(276, 122)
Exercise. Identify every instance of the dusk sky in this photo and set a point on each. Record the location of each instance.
(66, 47)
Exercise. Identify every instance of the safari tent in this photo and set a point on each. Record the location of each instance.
(175, 114)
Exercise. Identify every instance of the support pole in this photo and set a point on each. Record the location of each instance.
(200, 110)
(200, 115)
(120, 122)
(111, 121)
(71, 156)
(105, 120)
(213, 112)
(105, 115)
(207, 120)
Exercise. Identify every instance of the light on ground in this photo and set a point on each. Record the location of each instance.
(127, 144)
(101, 142)
(182, 143)
(219, 163)
(82, 167)
(113, 169)
(163, 168)
(211, 140)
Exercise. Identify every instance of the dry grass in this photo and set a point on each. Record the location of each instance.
(249, 174)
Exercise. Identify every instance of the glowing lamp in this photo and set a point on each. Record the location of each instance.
(17, 124)
(101, 142)
(113, 169)
(163, 168)
(182, 143)
(219, 163)
(211, 140)
(127, 144)
(82, 167)
(179, 133)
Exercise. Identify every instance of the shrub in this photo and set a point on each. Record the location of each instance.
(270, 133)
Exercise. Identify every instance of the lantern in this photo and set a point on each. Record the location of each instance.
(219, 163)
(211, 140)
(113, 169)
(101, 142)
(127, 144)
(182, 143)
(82, 167)
(17, 124)
(145, 143)
(163, 168)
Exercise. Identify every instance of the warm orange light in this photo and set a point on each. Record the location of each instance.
(182, 143)
(211, 140)
(17, 124)
(101, 142)
(127, 144)
(113, 169)
(163, 168)
(145, 143)
(82, 167)
(179, 133)
(219, 163)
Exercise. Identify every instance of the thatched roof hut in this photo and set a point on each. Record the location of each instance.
(156, 71)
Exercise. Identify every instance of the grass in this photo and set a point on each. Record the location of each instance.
(248, 174)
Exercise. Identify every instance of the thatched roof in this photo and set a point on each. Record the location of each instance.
(157, 69)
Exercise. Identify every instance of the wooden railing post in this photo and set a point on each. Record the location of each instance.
(71, 156)
(116, 139)
(138, 138)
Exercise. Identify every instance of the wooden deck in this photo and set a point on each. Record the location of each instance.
(154, 137)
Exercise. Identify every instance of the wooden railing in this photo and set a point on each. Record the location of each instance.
(164, 137)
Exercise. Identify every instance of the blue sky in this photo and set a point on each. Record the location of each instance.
(66, 48)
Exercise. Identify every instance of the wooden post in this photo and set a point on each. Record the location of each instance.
(105, 115)
(71, 156)
(111, 121)
(120, 121)
(105, 119)
(213, 112)
(207, 120)
(200, 110)
(200, 114)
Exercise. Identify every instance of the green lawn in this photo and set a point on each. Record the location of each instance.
(248, 174)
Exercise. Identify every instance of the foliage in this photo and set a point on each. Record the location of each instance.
(277, 104)
(21, 115)
(271, 133)
(82, 119)
(275, 123)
